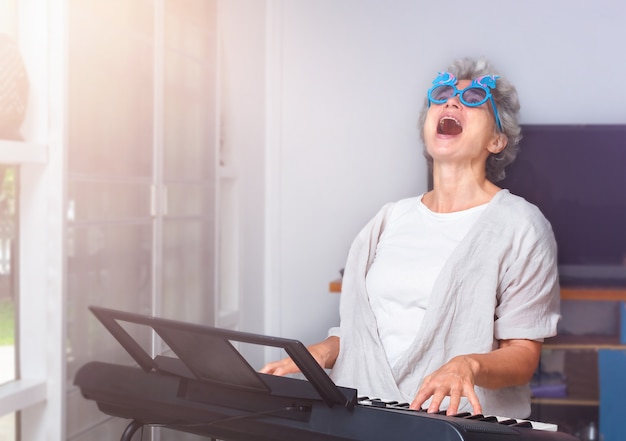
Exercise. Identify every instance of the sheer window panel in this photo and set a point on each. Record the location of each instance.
(189, 120)
(107, 428)
(174, 435)
(110, 110)
(189, 90)
(84, 414)
(136, 16)
(227, 296)
(189, 164)
(190, 199)
(188, 276)
(102, 200)
(115, 163)
(190, 27)
(110, 266)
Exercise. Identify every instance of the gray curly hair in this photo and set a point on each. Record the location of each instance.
(507, 102)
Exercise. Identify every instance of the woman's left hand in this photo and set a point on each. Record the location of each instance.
(512, 364)
(454, 379)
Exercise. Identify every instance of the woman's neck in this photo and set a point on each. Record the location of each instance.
(457, 193)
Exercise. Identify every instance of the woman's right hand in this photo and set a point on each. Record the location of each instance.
(282, 367)
(325, 353)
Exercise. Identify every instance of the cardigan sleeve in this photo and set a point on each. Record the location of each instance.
(528, 295)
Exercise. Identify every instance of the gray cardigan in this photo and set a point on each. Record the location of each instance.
(500, 282)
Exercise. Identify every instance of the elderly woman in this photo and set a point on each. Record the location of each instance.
(448, 296)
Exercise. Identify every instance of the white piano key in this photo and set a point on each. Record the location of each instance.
(538, 425)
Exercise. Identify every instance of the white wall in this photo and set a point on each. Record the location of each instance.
(347, 79)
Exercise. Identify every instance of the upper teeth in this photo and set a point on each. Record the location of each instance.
(449, 117)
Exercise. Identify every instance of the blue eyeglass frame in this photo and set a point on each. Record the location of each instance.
(485, 83)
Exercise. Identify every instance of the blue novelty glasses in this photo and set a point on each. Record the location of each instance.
(474, 95)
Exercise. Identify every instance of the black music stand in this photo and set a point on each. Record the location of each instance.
(206, 354)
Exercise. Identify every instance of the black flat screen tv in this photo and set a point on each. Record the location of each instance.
(576, 175)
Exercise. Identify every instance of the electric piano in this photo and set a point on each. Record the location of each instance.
(210, 389)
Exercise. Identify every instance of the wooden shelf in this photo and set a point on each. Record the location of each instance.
(335, 286)
(606, 294)
(586, 342)
(566, 401)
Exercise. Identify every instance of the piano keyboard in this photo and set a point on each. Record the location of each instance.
(377, 402)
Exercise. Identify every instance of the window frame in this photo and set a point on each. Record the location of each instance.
(38, 393)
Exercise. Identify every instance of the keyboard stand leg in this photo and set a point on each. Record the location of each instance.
(130, 430)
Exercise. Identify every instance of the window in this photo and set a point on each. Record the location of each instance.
(107, 194)
(13, 95)
(141, 177)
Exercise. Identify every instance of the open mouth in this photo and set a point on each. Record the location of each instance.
(449, 126)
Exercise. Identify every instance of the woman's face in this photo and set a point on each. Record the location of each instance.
(455, 132)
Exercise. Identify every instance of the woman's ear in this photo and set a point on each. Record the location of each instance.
(499, 143)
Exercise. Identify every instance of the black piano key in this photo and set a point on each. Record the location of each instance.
(391, 404)
(478, 416)
(378, 403)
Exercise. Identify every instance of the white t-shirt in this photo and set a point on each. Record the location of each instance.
(412, 250)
